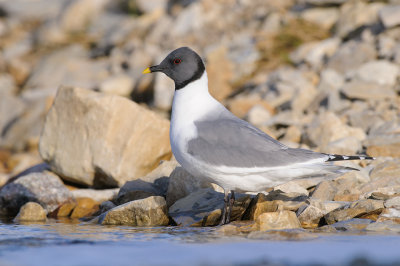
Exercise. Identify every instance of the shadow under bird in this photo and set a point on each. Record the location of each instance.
(212, 143)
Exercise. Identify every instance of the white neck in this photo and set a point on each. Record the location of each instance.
(193, 101)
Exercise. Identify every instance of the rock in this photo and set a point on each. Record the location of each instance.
(324, 2)
(164, 89)
(220, 72)
(151, 211)
(309, 216)
(75, 16)
(327, 129)
(181, 184)
(352, 225)
(241, 105)
(203, 208)
(277, 221)
(258, 115)
(385, 226)
(7, 84)
(64, 210)
(351, 55)
(84, 207)
(315, 53)
(96, 195)
(324, 17)
(274, 201)
(384, 175)
(390, 214)
(355, 14)
(114, 141)
(390, 15)
(69, 66)
(393, 203)
(31, 211)
(146, 6)
(367, 90)
(121, 85)
(44, 188)
(155, 183)
(359, 209)
(106, 206)
(292, 187)
(326, 206)
(385, 150)
(330, 83)
(11, 108)
(324, 191)
(380, 72)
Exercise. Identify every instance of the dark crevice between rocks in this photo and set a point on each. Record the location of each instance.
(102, 180)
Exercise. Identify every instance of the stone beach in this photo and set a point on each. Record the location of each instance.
(84, 135)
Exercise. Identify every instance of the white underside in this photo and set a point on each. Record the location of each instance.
(194, 102)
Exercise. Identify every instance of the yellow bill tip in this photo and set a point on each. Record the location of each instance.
(146, 71)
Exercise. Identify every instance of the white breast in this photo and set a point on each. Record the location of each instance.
(190, 104)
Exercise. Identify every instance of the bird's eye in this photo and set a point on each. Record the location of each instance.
(177, 61)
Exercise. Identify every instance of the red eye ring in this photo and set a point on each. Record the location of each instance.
(177, 61)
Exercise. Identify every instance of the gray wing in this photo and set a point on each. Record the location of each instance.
(235, 143)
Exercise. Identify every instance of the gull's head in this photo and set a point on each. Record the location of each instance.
(182, 65)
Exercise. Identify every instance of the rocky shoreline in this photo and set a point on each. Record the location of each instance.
(84, 135)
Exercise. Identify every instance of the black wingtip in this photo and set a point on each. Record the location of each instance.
(335, 157)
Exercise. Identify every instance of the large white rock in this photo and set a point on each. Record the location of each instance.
(101, 140)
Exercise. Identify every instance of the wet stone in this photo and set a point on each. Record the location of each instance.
(277, 221)
(151, 211)
(352, 225)
(31, 211)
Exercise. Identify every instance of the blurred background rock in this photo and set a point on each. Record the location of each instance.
(320, 74)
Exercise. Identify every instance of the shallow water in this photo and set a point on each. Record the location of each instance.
(56, 243)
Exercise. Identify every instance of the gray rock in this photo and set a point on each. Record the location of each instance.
(327, 130)
(385, 226)
(330, 83)
(106, 206)
(11, 109)
(324, 191)
(355, 14)
(393, 203)
(7, 84)
(309, 216)
(204, 207)
(384, 175)
(367, 90)
(69, 66)
(324, 2)
(258, 115)
(324, 17)
(121, 85)
(99, 195)
(44, 188)
(74, 17)
(181, 184)
(351, 55)
(40, 9)
(390, 15)
(352, 225)
(151, 211)
(147, 6)
(30, 212)
(114, 141)
(381, 72)
(315, 53)
(155, 183)
(386, 47)
(361, 208)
